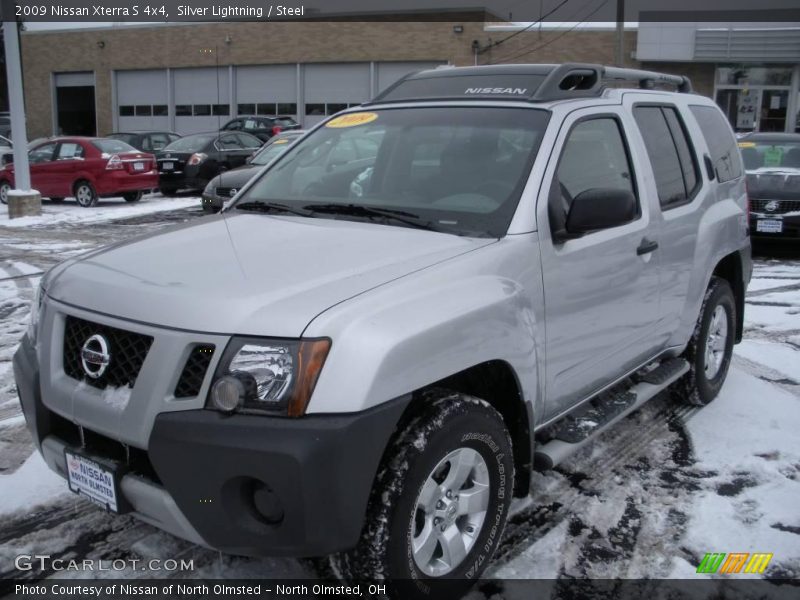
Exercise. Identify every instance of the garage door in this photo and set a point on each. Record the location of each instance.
(142, 98)
(266, 90)
(202, 99)
(334, 87)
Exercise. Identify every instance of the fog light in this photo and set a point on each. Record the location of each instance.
(227, 394)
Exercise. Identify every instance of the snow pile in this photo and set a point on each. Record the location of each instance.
(107, 209)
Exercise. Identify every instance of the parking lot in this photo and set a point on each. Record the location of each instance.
(648, 499)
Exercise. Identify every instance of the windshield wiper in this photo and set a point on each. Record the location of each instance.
(357, 210)
(271, 207)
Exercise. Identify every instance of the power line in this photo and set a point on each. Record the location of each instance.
(529, 50)
(536, 22)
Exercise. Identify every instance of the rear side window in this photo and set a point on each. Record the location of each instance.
(720, 140)
(670, 155)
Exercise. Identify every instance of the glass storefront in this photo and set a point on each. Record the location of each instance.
(758, 98)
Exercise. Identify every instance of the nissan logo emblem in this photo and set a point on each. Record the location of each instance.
(95, 356)
(771, 206)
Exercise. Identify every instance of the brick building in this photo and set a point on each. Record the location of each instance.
(192, 77)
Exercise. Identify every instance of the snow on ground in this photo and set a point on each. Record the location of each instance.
(107, 209)
(647, 499)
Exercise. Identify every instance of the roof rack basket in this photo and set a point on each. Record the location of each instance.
(579, 80)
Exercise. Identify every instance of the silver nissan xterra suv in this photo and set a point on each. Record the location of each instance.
(371, 347)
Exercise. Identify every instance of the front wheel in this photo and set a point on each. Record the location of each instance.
(5, 187)
(85, 194)
(132, 196)
(440, 501)
(710, 348)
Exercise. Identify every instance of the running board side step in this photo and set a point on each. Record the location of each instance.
(588, 421)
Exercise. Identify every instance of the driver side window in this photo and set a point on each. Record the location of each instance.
(594, 157)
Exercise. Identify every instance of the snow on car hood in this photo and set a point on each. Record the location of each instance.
(248, 273)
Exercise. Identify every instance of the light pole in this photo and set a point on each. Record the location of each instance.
(22, 201)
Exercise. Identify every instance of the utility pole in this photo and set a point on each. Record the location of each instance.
(22, 201)
(620, 54)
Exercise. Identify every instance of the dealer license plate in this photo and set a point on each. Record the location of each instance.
(96, 482)
(167, 166)
(769, 226)
(138, 166)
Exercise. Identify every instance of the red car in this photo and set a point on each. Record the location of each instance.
(86, 169)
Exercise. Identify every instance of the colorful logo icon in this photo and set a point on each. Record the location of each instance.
(734, 562)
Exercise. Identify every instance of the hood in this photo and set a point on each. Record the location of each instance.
(248, 274)
(774, 184)
(236, 178)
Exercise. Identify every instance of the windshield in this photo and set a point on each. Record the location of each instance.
(112, 146)
(783, 155)
(191, 143)
(459, 170)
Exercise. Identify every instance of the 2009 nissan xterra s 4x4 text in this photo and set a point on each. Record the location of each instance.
(372, 346)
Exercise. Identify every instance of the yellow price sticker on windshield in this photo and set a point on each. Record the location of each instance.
(353, 119)
(276, 142)
(747, 144)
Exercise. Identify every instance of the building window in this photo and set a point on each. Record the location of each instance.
(746, 76)
(246, 109)
(183, 110)
(201, 110)
(126, 111)
(265, 109)
(144, 110)
(222, 110)
(287, 109)
(335, 108)
(314, 110)
(160, 110)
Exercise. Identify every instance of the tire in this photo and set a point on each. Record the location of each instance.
(710, 348)
(56, 200)
(85, 194)
(168, 190)
(5, 187)
(408, 504)
(133, 196)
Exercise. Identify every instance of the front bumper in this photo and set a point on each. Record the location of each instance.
(790, 226)
(242, 484)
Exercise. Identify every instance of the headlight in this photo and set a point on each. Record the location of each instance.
(271, 376)
(36, 308)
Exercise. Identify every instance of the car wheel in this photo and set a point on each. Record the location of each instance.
(5, 187)
(133, 196)
(56, 200)
(710, 348)
(440, 500)
(85, 194)
(168, 191)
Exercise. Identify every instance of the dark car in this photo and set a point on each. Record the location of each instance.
(772, 162)
(192, 161)
(263, 127)
(146, 141)
(225, 185)
(86, 169)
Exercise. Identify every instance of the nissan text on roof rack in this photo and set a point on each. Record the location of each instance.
(395, 321)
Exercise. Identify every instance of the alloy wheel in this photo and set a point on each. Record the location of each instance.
(716, 342)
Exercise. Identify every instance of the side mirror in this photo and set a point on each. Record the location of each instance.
(599, 208)
(249, 159)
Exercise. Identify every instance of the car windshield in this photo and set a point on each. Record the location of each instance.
(458, 170)
(765, 155)
(191, 143)
(128, 138)
(112, 146)
(271, 151)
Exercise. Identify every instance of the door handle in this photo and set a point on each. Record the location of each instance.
(646, 247)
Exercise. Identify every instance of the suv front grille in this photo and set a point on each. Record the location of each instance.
(194, 371)
(126, 348)
(224, 192)
(783, 206)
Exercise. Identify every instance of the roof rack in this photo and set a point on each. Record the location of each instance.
(532, 83)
